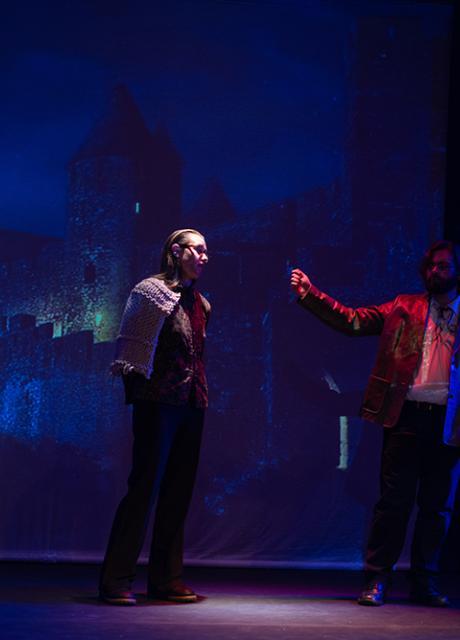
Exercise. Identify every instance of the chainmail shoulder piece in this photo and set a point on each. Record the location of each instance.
(149, 303)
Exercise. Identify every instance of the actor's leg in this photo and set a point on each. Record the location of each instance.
(398, 483)
(399, 473)
(174, 499)
(154, 429)
(436, 497)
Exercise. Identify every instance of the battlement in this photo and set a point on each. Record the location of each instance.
(26, 346)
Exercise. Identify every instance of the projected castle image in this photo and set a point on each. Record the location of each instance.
(360, 235)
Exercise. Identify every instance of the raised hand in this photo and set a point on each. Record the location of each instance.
(300, 283)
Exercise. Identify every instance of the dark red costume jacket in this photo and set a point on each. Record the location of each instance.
(401, 326)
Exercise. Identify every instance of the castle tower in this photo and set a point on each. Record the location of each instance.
(162, 189)
(118, 184)
(159, 204)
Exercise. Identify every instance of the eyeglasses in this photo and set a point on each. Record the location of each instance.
(441, 266)
(200, 250)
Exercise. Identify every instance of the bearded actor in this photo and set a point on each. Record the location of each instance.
(414, 392)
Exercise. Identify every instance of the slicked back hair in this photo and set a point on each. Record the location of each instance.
(169, 264)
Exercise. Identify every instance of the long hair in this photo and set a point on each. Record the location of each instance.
(169, 264)
(439, 245)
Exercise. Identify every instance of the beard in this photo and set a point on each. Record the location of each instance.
(436, 285)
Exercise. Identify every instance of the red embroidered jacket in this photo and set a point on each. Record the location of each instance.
(401, 326)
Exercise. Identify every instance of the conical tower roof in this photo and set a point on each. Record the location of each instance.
(213, 205)
(163, 147)
(121, 131)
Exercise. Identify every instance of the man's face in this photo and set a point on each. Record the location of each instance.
(441, 275)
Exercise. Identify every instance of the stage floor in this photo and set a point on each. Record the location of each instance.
(59, 601)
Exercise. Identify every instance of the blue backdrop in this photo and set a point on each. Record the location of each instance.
(306, 134)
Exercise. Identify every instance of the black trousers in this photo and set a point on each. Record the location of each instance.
(165, 457)
(416, 467)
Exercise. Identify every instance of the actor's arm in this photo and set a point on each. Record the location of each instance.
(363, 321)
(149, 303)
